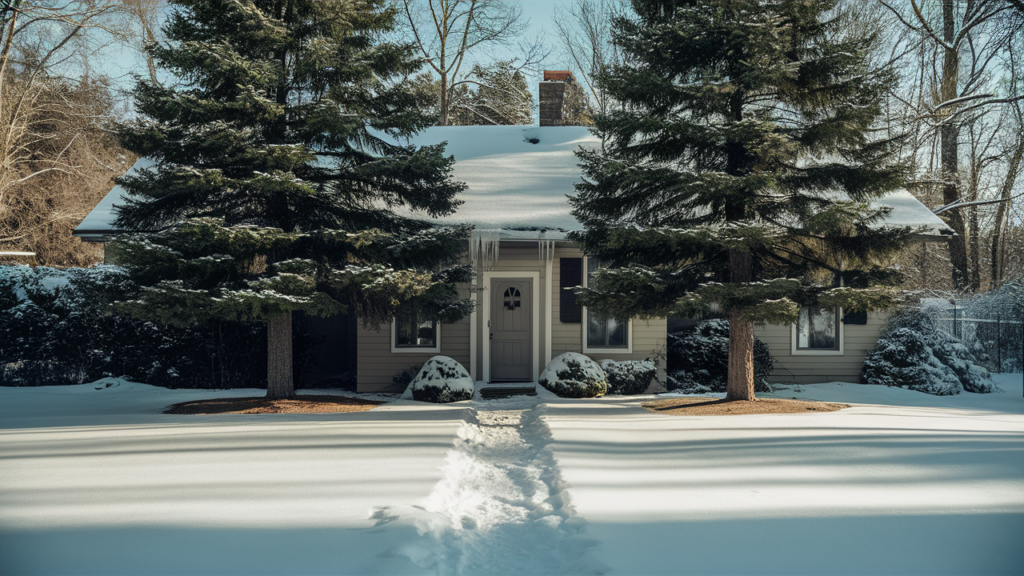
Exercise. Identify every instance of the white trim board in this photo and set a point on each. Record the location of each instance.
(549, 287)
(535, 289)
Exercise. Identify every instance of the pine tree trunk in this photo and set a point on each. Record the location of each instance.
(741, 358)
(741, 334)
(279, 357)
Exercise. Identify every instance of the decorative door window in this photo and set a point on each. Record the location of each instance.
(513, 298)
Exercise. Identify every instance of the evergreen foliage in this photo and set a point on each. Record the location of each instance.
(441, 380)
(576, 108)
(914, 353)
(492, 95)
(54, 331)
(502, 97)
(572, 375)
(279, 185)
(698, 359)
(739, 171)
(629, 376)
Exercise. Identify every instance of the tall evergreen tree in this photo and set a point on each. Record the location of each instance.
(739, 173)
(278, 185)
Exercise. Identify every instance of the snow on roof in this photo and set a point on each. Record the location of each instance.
(909, 211)
(514, 185)
(517, 181)
(101, 219)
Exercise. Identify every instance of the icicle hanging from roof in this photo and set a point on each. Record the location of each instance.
(484, 247)
(545, 250)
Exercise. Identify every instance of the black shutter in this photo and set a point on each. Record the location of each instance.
(571, 270)
(856, 318)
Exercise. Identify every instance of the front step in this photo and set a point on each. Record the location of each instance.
(494, 392)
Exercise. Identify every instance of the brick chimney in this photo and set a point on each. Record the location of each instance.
(552, 91)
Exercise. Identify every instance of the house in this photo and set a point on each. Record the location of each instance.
(518, 178)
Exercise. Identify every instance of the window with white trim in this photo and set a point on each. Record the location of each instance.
(818, 329)
(603, 332)
(411, 331)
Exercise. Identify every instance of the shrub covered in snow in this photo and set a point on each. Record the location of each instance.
(629, 376)
(987, 323)
(913, 353)
(55, 329)
(698, 359)
(573, 375)
(441, 380)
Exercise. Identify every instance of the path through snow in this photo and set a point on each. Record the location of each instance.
(502, 506)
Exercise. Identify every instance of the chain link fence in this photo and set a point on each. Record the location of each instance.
(990, 325)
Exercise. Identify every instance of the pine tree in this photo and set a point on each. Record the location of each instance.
(576, 108)
(739, 173)
(279, 185)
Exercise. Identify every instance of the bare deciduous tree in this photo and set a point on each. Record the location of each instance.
(960, 44)
(51, 115)
(448, 32)
(142, 28)
(584, 29)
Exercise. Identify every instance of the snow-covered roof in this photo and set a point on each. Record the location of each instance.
(909, 211)
(514, 185)
(101, 220)
(517, 181)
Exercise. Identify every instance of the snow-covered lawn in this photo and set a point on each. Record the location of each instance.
(100, 482)
(910, 484)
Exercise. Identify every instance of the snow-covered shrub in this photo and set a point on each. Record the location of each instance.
(629, 376)
(441, 380)
(913, 353)
(572, 375)
(987, 323)
(698, 359)
(56, 329)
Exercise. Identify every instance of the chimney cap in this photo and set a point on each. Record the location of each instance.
(557, 75)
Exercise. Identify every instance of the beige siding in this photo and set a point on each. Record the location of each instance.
(649, 336)
(377, 365)
(805, 369)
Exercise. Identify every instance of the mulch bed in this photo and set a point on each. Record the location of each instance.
(704, 406)
(296, 405)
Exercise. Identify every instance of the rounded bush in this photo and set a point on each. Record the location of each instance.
(440, 380)
(573, 375)
(629, 376)
(913, 353)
